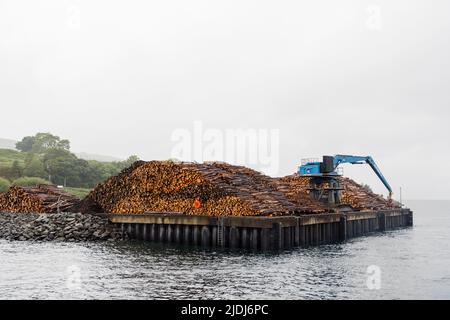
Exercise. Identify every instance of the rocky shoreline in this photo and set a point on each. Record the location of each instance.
(71, 227)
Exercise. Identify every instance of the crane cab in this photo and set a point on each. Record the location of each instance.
(310, 168)
(315, 168)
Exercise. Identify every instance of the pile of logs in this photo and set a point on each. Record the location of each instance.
(214, 189)
(353, 195)
(361, 198)
(195, 189)
(295, 188)
(39, 199)
(210, 188)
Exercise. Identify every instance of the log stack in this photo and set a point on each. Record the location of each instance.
(212, 188)
(361, 198)
(353, 195)
(39, 199)
(295, 188)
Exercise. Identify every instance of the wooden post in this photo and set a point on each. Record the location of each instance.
(195, 235)
(302, 232)
(328, 233)
(316, 235)
(137, 231)
(187, 234)
(410, 219)
(277, 236)
(144, 232)
(161, 233)
(297, 232)
(343, 228)
(206, 236)
(214, 236)
(244, 238)
(287, 243)
(177, 234)
(381, 221)
(234, 237)
(169, 233)
(265, 239)
(254, 239)
(130, 230)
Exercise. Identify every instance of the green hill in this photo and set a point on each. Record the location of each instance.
(8, 156)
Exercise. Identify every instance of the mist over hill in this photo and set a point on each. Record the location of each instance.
(97, 157)
(11, 144)
(7, 144)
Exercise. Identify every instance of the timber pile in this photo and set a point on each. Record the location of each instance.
(361, 198)
(39, 199)
(295, 188)
(195, 189)
(354, 195)
(214, 189)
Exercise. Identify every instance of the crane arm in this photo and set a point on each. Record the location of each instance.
(338, 159)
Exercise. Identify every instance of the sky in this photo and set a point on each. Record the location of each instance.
(317, 77)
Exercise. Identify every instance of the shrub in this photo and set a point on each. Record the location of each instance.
(29, 181)
(4, 185)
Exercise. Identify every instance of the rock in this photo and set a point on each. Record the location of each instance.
(56, 227)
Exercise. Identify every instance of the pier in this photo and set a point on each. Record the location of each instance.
(259, 233)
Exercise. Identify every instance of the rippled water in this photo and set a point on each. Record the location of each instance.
(414, 263)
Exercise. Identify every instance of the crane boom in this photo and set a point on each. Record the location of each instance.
(339, 159)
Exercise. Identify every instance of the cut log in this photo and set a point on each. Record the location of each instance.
(39, 199)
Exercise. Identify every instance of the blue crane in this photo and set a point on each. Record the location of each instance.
(327, 169)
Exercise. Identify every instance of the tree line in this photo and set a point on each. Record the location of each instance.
(47, 158)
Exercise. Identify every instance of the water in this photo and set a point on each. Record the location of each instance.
(414, 264)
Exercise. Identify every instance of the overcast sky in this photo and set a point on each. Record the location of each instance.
(355, 77)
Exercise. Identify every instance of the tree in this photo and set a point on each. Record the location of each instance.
(26, 144)
(34, 167)
(58, 163)
(16, 170)
(125, 164)
(64, 168)
(41, 142)
(45, 141)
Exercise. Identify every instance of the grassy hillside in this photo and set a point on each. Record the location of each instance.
(80, 193)
(7, 157)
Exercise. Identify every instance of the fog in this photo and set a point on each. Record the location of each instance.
(352, 77)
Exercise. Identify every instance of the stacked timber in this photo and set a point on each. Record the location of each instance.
(39, 199)
(353, 195)
(362, 198)
(211, 188)
(295, 187)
